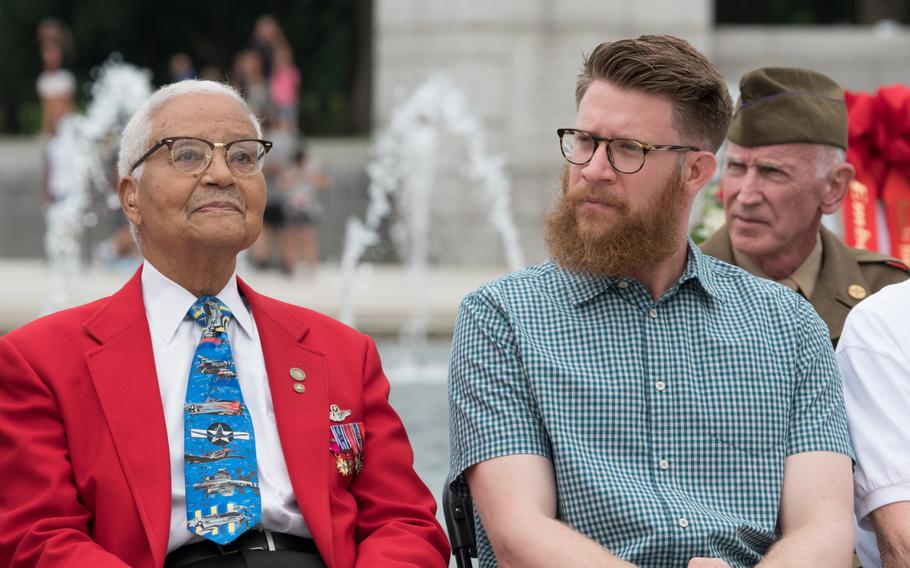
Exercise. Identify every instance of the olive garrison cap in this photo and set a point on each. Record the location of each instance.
(780, 105)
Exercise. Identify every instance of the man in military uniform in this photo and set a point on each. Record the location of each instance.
(785, 167)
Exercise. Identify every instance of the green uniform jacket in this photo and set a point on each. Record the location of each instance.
(843, 271)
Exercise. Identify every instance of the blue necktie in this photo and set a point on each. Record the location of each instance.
(222, 482)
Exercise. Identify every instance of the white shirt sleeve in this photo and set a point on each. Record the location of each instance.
(873, 358)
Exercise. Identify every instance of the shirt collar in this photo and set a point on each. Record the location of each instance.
(697, 269)
(803, 278)
(167, 302)
(581, 287)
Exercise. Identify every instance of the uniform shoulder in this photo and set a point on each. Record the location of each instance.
(872, 257)
(880, 270)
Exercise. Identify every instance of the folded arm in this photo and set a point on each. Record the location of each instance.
(515, 497)
(815, 517)
(892, 531)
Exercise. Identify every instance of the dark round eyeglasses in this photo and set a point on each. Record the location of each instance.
(625, 155)
(193, 155)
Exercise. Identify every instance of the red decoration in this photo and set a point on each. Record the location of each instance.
(879, 149)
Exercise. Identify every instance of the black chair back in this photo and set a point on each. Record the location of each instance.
(459, 513)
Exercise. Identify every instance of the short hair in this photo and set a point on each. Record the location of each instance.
(137, 133)
(828, 157)
(668, 66)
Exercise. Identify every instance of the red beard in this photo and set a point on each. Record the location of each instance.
(624, 247)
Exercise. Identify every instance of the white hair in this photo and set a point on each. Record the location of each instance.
(137, 134)
(827, 158)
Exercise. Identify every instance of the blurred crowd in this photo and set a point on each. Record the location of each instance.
(267, 76)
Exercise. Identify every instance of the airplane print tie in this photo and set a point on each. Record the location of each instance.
(222, 482)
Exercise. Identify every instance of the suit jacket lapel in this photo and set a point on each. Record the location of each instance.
(301, 417)
(123, 371)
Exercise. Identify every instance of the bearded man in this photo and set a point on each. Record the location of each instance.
(632, 400)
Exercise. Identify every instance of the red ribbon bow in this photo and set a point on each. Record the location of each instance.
(879, 149)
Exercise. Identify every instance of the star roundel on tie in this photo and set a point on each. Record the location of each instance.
(222, 481)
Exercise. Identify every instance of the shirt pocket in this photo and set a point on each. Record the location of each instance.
(745, 399)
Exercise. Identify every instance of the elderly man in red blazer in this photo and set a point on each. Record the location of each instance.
(95, 409)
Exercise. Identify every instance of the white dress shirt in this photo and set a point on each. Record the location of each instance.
(174, 340)
(874, 358)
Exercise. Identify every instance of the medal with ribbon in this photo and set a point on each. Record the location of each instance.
(347, 447)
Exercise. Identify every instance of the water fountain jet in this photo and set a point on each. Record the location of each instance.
(118, 90)
(404, 170)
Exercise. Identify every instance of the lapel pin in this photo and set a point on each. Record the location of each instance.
(299, 388)
(336, 414)
(297, 374)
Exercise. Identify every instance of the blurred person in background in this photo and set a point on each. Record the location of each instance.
(53, 30)
(283, 79)
(181, 67)
(275, 218)
(211, 73)
(251, 81)
(301, 181)
(284, 87)
(56, 87)
(267, 36)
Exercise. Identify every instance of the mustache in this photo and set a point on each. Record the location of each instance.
(576, 197)
(229, 195)
(571, 198)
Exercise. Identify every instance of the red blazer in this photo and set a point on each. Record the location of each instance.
(84, 464)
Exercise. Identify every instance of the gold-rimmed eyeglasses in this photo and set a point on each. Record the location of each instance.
(625, 155)
(191, 155)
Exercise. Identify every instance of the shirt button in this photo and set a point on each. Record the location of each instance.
(623, 284)
(660, 386)
(664, 465)
(653, 313)
(683, 522)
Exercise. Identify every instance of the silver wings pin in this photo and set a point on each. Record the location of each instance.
(338, 415)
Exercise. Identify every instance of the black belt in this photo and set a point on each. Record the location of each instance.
(264, 540)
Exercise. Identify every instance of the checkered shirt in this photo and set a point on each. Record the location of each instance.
(667, 422)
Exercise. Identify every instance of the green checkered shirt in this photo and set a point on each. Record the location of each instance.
(667, 422)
